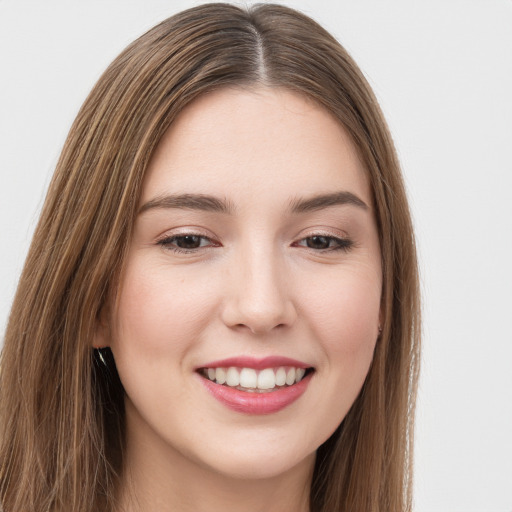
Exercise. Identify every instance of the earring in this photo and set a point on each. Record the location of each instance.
(102, 353)
(380, 329)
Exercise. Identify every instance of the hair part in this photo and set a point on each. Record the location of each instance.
(61, 410)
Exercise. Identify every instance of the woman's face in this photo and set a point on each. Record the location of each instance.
(255, 256)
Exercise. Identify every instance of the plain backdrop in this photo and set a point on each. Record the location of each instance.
(442, 70)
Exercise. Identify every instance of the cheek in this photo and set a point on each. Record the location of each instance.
(345, 315)
(157, 305)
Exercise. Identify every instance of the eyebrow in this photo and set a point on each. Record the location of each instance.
(201, 202)
(318, 202)
(208, 203)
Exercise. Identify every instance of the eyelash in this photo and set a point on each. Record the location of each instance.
(168, 242)
(341, 244)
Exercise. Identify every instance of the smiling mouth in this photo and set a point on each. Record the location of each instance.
(250, 380)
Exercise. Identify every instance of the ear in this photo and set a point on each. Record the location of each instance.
(381, 321)
(102, 331)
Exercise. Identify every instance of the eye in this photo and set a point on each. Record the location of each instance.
(186, 243)
(325, 243)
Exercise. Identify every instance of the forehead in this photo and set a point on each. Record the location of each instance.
(261, 142)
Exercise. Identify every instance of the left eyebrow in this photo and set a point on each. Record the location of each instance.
(318, 202)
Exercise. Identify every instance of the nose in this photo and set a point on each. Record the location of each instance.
(258, 297)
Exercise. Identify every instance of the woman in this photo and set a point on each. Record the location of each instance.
(220, 304)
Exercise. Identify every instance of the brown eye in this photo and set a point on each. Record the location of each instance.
(318, 242)
(188, 241)
(325, 243)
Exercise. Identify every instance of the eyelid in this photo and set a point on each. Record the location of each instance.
(343, 241)
(322, 231)
(184, 231)
(166, 239)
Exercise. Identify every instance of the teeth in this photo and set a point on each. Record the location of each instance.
(220, 375)
(250, 379)
(233, 377)
(281, 377)
(267, 379)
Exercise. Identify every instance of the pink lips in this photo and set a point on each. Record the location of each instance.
(256, 403)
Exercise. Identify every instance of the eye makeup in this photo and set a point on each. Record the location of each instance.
(190, 242)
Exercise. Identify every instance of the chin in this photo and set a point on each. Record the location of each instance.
(253, 460)
(246, 467)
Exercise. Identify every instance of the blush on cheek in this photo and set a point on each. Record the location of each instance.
(350, 318)
(158, 312)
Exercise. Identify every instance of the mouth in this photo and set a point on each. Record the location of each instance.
(252, 380)
(252, 386)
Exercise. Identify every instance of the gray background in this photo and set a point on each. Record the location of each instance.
(442, 70)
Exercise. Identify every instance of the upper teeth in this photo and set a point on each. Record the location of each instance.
(250, 378)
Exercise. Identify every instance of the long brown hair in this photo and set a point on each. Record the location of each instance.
(61, 408)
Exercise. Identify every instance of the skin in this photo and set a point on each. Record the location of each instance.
(253, 287)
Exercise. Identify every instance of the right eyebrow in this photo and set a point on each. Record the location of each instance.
(202, 202)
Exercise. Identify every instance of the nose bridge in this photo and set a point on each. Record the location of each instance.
(259, 297)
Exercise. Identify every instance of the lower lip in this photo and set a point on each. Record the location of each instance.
(257, 403)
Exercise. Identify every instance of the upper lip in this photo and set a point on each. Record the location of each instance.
(256, 363)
